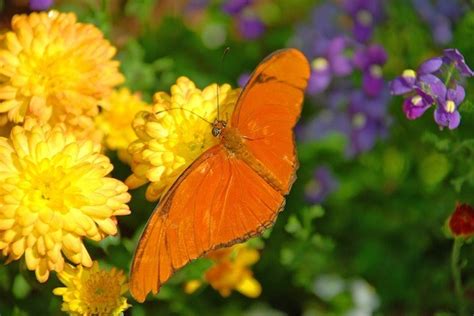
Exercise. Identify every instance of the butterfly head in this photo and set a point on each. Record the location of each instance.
(217, 127)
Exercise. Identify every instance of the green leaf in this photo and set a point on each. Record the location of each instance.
(467, 107)
(21, 288)
(293, 225)
(433, 169)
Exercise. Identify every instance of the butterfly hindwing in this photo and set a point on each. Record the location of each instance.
(217, 202)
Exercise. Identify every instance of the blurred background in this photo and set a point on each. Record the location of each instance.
(363, 231)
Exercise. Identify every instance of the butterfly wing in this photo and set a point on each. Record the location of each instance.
(268, 109)
(218, 201)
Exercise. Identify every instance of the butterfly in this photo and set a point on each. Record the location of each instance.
(235, 189)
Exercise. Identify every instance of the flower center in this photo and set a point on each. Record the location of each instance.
(50, 71)
(320, 64)
(359, 120)
(416, 101)
(450, 106)
(409, 73)
(314, 187)
(45, 186)
(364, 17)
(376, 71)
(100, 292)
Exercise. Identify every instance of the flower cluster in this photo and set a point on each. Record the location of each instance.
(365, 15)
(55, 189)
(55, 70)
(248, 23)
(165, 147)
(92, 291)
(231, 271)
(360, 114)
(437, 82)
(55, 192)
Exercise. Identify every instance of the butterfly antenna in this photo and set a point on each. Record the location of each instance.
(226, 50)
(186, 110)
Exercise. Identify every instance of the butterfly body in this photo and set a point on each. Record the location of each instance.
(234, 143)
(236, 188)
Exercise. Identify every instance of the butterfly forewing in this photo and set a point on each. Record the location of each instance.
(269, 108)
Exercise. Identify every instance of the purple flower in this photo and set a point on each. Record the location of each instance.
(243, 79)
(368, 121)
(339, 55)
(313, 38)
(365, 14)
(426, 88)
(320, 77)
(440, 15)
(250, 26)
(322, 184)
(233, 7)
(410, 79)
(371, 60)
(415, 106)
(325, 123)
(40, 5)
(336, 61)
(447, 114)
(453, 56)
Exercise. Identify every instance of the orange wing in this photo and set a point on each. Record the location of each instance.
(218, 201)
(268, 109)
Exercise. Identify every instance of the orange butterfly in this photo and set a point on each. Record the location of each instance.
(235, 189)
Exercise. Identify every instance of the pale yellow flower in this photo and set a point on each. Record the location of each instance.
(56, 70)
(231, 271)
(116, 118)
(175, 132)
(54, 191)
(92, 291)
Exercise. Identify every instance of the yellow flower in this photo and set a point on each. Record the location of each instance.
(115, 121)
(55, 69)
(175, 133)
(92, 291)
(54, 191)
(231, 271)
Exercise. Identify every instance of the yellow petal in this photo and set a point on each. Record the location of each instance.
(249, 287)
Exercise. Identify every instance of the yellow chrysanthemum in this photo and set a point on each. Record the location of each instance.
(56, 70)
(116, 118)
(54, 191)
(231, 271)
(175, 133)
(92, 291)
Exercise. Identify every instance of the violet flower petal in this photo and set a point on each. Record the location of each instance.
(453, 55)
(445, 119)
(414, 107)
(402, 85)
(430, 66)
(433, 86)
(40, 5)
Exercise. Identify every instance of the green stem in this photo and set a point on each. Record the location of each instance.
(456, 271)
(449, 74)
